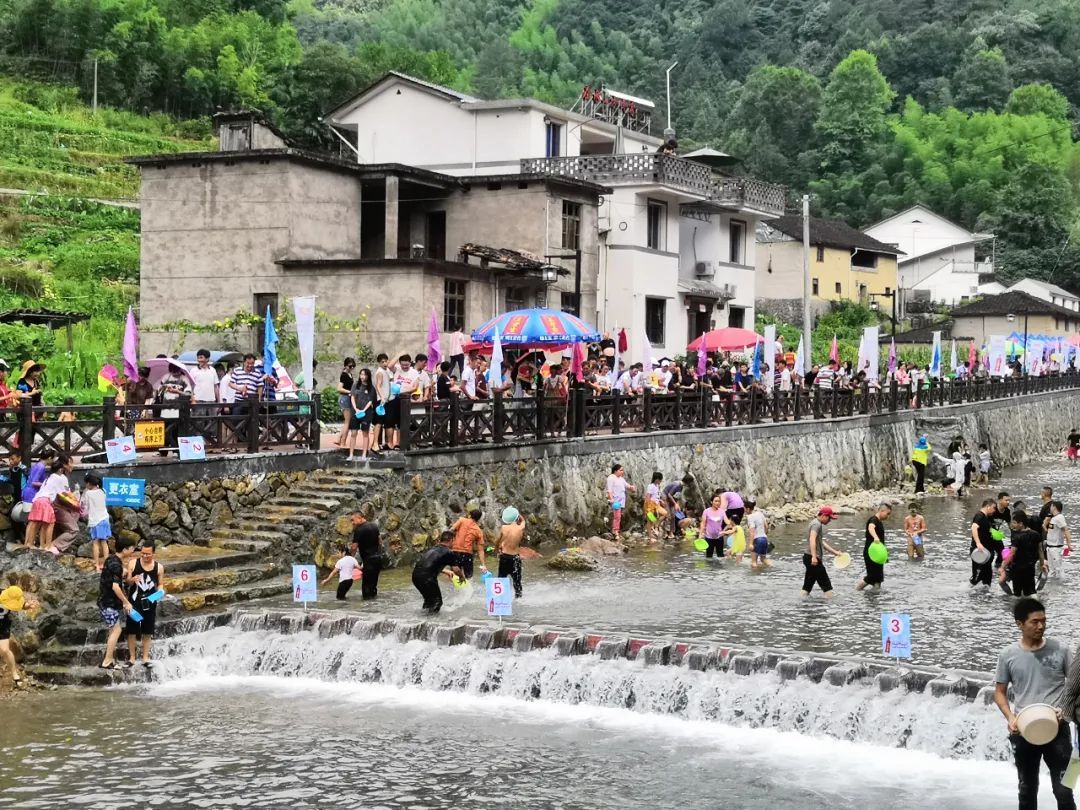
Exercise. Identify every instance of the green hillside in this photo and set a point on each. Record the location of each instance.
(59, 247)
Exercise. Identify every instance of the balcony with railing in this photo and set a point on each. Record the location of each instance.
(666, 170)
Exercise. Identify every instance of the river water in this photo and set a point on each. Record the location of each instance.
(239, 719)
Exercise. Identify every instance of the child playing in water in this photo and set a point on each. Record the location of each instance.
(616, 487)
(759, 524)
(655, 513)
(97, 519)
(984, 464)
(915, 529)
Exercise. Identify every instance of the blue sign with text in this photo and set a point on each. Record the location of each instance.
(124, 492)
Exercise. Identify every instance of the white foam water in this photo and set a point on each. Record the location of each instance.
(543, 682)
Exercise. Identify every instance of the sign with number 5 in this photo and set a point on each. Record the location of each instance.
(499, 597)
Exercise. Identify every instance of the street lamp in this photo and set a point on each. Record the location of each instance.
(876, 307)
(1010, 318)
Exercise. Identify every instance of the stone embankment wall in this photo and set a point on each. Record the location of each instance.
(559, 487)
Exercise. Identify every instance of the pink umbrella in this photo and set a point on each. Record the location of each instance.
(728, 339)
(161, 366)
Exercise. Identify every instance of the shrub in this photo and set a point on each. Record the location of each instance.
(19, 343)
(23, 281)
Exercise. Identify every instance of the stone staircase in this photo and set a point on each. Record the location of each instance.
(244, 559)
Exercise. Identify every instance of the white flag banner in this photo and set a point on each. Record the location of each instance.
(495, 379)
(769, 355)
(996, 356)
(646, 355)
(800, 361)
(872, 351)
(935, 355)
(304, 309)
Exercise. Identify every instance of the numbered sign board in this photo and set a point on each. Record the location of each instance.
(896, 635)
(129, 492)
(117, 451)
(499, 595)
(192, 448)
(304, 584)
(149, 435)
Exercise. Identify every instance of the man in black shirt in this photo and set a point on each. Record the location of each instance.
(112, 599)
(1027, 552)
(366, 536)
(982, 573)
(1001, 513)
(1044, 513)
(425, 575)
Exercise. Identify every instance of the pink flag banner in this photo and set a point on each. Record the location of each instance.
(834, 351)
(433, 352)
(131, 347)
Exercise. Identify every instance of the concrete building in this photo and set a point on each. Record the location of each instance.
(845, 264)
(1048, 292)
(676, 250)
(248, 227)
(938, 262)
(1013, 311)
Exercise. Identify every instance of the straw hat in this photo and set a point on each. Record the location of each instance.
(29, 366)
(12, 598)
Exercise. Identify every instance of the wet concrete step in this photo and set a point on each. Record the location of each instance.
(270, 519)
(316, 504)
(197, 600)
(324, 489)
(237, 542)
(74, 634)
(184, 559)
(299, 508)
(87, 675)
(220, 578)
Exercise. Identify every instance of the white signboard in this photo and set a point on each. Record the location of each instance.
(499, 596)
(117, 451)
(192, 448)
(304, 584)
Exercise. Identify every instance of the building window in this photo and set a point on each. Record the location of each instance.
(820, 253)
(552, 139)
(568, 303)
(888, 291)
(864, 260)
(655, 318)
(261, 302)
(516, 298)
(737, 317)
(453, 304)
(655, 224)
(737, 233)
(815, 283)
(571, 225)
(838, 289)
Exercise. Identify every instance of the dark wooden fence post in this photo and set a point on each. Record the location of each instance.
(455, 418)
(498, 422)
(579, 402)
(540, 414)
(677, 425)
(183, 422)
(404, 423)
(26, 430)
(108, 420)
(616, 412)
(252, 419)
(646, 410)
(315, 425)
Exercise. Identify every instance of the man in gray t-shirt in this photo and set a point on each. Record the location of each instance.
(1036, 668)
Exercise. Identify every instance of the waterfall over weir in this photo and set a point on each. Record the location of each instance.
(561, 668)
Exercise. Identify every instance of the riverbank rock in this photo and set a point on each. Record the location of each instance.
(599, 546)
(573, 560)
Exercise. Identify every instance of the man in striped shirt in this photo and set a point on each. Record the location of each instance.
(246, 382)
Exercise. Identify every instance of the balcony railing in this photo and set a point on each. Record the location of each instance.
(666, 170)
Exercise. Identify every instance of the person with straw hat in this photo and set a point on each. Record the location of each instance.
(29, 384)
(12, 600)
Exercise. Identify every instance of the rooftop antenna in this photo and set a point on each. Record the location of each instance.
(667, 76)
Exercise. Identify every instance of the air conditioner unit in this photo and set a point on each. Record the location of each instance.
(704, 270)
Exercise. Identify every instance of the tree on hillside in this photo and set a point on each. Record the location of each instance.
(772, 125)
(851, 124)
(982, 81)
(1038, 99)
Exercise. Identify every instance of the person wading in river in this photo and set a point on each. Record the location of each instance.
(425, 576)
(813, 559)
(508, 547)
(1036, 667)
(875, 533)
(145, 575)
(982, 573)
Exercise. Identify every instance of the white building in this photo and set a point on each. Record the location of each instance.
(1048, 292)
(677, 238)
(940, 255)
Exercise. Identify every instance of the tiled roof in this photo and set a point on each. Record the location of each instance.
(1013, 302)
(831, 233)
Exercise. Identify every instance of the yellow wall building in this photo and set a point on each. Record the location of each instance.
(845, 263)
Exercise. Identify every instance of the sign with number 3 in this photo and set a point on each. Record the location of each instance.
(896, 635)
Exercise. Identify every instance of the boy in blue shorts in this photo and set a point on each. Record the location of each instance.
(759, 526)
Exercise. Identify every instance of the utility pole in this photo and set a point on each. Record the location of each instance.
(667, 77)
(807, 337)
(94, 105)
